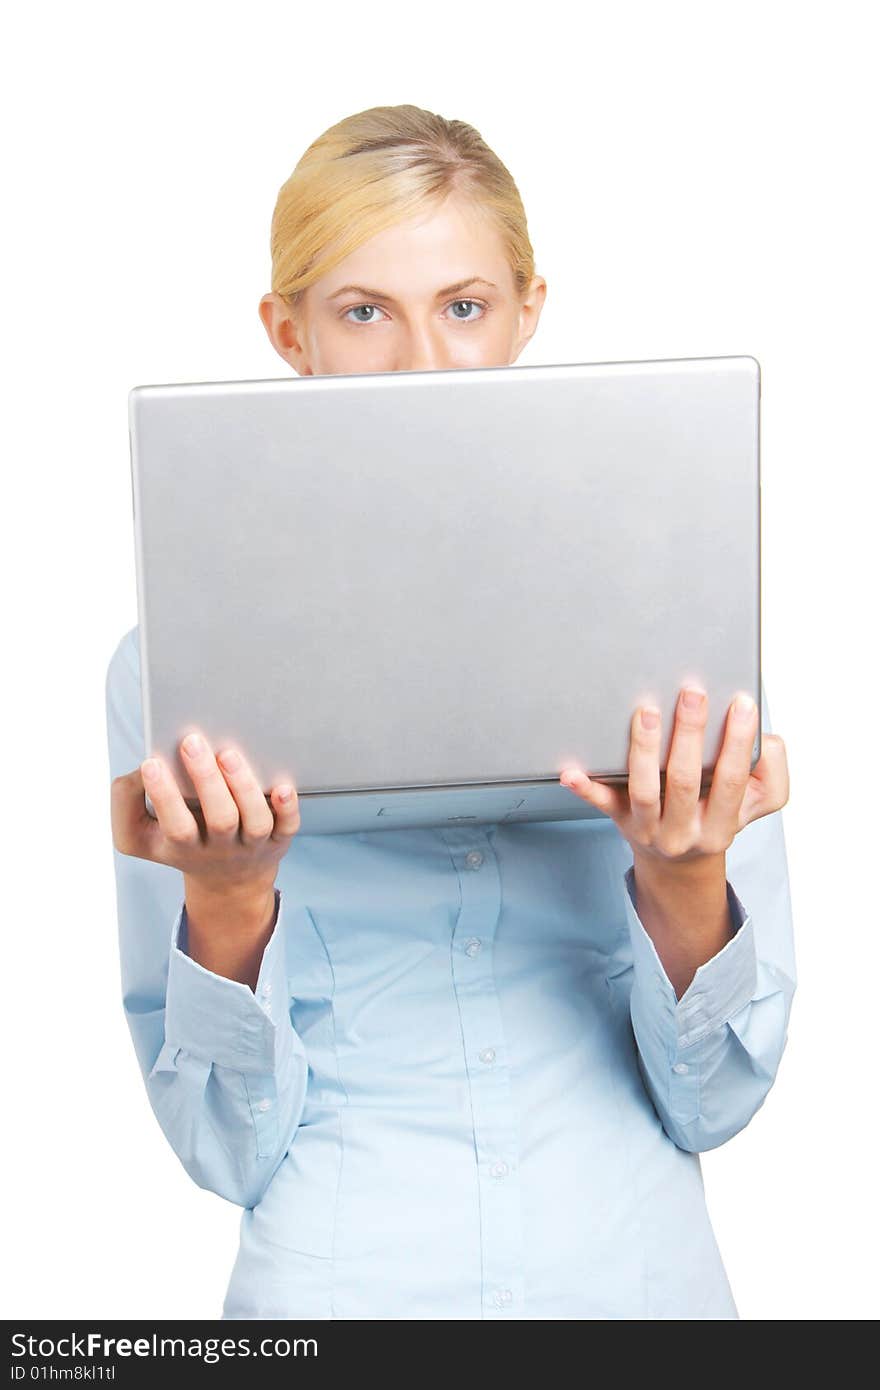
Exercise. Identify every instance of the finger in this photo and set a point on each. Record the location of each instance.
(768, 787)
(217, 802)
(607, 799)
(730, 776)
(287, 813)
(644, 772)
(176, 821)
(684, 766)
(135, 831)
(255, 814)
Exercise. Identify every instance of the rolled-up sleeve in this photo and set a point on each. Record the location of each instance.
(221, 1019)
(224, 1069)
(710, 1058)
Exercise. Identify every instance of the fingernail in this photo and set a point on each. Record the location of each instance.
(743, 708)
(229, 759)
(650, 718)
(285, 793)
(192, 743)
(692, 697)
(150, 770)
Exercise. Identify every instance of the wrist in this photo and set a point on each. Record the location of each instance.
(681, 895)
(229, 929)
(696, 872)
(244, 908)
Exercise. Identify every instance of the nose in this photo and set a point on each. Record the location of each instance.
(423, 352)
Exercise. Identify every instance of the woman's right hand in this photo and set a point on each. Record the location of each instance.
(235, 840)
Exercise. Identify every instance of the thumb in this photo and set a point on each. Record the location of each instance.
(287, 813)
(134, 830)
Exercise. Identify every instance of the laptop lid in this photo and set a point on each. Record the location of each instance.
(421, 595)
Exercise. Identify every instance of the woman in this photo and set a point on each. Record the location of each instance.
(453, 1073)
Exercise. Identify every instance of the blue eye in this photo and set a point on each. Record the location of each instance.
(473, 303)
(356, 307)
(456, 303)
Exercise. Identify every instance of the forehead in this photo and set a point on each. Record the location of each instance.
(421, 254)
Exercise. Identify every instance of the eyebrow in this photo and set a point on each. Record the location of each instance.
(377, 294)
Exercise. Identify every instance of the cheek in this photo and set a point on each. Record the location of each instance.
(488, 348)
(338, 352)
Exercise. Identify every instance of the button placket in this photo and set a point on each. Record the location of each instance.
(685, 1091)
(261, 1096)
(485, 1056)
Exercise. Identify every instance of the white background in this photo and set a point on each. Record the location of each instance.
(698, 180)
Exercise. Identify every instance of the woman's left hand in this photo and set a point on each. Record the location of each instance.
(687, 827)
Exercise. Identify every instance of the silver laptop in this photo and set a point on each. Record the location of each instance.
(421, 595)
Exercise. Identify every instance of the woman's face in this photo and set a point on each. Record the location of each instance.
(430, 293)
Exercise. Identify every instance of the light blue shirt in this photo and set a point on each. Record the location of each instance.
(464, 1086)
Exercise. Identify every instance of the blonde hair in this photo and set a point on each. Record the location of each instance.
(376, 168)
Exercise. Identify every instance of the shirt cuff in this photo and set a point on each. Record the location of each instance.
(720, 987)
(224, 1021)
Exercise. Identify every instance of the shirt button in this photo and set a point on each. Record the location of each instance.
(487, 1055)
(473, 945)
(266, 988)
(500, 1170)
(263, 1104)
(502, 1297)
(682, 1068)
(473, 859)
